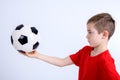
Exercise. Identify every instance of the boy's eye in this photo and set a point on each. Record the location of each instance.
(89, 32)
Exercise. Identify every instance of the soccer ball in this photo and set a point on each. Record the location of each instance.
(25, 38)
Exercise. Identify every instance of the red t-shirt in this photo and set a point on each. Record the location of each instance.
(100, 67)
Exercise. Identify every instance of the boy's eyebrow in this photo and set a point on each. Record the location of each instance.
(88, 30)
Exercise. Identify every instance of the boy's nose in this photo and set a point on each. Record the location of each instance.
(87, 36)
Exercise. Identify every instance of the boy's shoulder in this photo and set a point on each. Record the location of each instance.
(106, 57)
(87, 47)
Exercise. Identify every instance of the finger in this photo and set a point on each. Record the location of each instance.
(26, 53)
(23, 53)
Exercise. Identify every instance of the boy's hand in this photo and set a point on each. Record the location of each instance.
(32, 54)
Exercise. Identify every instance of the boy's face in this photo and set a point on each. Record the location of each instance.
(94, 38)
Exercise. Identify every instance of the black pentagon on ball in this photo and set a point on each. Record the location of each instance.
(23, 39)
(19, 27)
(34, 30)
(35, 45)
(11, 40)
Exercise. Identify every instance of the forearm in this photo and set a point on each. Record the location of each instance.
(49, 59)
(55, 60)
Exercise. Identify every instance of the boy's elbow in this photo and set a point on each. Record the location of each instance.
(60, 65)
(63, 62)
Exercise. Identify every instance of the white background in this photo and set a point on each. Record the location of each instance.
(62, 28)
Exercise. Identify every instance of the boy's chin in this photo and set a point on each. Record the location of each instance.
(92, 45)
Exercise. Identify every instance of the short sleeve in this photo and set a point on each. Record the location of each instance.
(77, 56)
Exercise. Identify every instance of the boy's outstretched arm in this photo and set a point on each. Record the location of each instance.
(49, 59)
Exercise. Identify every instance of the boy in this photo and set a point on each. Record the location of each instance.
(94, 61)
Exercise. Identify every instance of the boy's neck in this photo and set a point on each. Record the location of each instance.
(98, 50)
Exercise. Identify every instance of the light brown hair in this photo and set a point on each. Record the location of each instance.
(103, 21)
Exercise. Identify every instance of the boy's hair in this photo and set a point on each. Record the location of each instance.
(103, 21)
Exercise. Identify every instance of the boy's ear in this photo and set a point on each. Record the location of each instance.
(105, 34)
